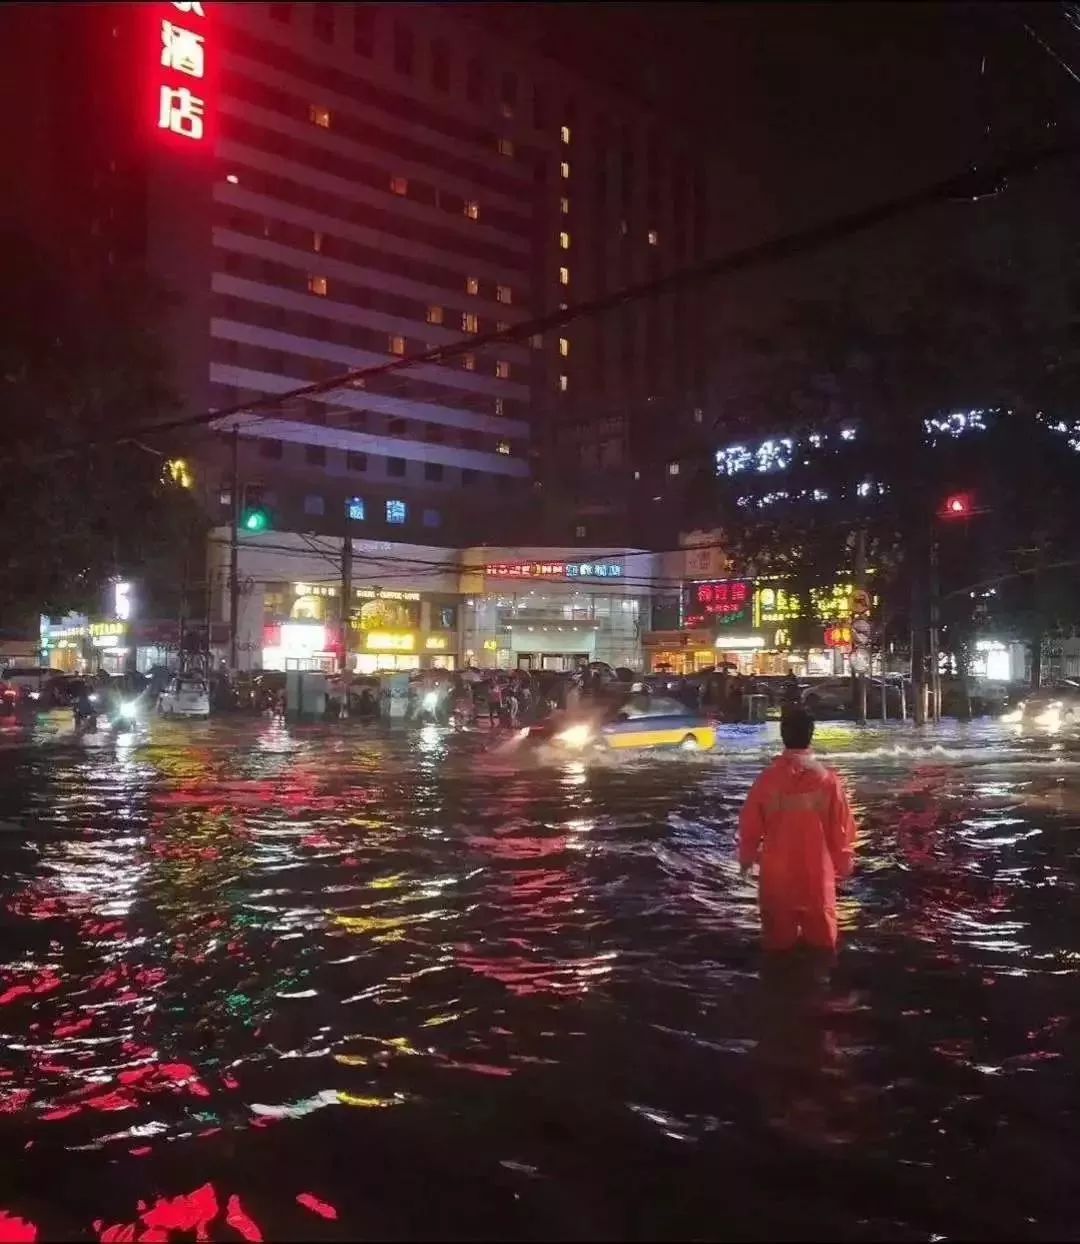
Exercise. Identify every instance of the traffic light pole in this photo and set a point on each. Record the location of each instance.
(234, 551)
(860, 585)
(935, 638)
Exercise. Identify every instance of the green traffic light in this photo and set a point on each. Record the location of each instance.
(256, 521)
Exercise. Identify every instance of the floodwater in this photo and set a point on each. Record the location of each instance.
(266, 982)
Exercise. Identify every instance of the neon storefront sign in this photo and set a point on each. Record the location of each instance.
(727, 602)
(554, 570)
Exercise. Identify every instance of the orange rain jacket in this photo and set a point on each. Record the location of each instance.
(797, 823)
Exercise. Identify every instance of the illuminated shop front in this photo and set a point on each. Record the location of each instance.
(754, 627)
(76, 645)
(304, 645)
(556, 612)
(388, 629)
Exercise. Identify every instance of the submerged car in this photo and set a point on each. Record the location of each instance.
(642, 721)
(1052, 706)
(185, 697)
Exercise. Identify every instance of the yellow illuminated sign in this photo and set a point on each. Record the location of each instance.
(437, 642)
(491, 645)
(391, 641)
(777, 606)
(99, 630)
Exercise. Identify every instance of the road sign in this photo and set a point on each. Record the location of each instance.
(860, 632)
(860, 601)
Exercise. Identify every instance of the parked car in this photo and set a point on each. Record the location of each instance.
(28, 682)
(185, 697)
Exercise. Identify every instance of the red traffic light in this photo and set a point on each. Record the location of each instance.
(957, 506)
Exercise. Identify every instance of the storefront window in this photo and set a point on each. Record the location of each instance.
(381, 614)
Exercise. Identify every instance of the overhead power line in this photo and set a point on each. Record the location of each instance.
(971, 184)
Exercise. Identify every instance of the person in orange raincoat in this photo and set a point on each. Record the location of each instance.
(796, 823)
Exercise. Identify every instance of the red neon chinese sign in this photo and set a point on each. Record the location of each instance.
(180, 65)
(724, 601)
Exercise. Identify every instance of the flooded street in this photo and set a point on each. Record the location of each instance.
(263, 981)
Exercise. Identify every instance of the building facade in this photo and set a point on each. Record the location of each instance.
(331, 187)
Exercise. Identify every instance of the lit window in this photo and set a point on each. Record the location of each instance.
(579, 532)
(673, 468)
(319, 116)
(316, 241)
(502, 369)
(472, 209)
(564, 347)
(499, 406)
(564, 241)
(468, 361)
(472, 285)
(699, 415)
(537, 341)
(564, 205)
(564, 383)
(396, 511)
(564, 133)
(624, 228)
(564, 276)
(399, 185)
(503, 447)
(564, 169)
(434, 315)
(469, 322)
(501, 326)
(506, 147)
(317, 285)
(356, 509)
(503, 293)
(397, 345)
(654, 238)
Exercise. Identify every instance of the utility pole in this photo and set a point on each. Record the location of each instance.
(234, 551)
(181, 621)
(346, 591)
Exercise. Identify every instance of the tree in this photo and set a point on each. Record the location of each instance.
(875, 422)
(79, 359)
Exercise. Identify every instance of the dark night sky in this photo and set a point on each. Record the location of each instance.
(815, 110)
(821, 107)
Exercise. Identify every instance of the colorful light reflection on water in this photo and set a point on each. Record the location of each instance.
(297, 983)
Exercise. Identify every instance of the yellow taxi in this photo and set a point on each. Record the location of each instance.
(642, 721)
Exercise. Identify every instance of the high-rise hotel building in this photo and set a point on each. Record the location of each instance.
(329, 186)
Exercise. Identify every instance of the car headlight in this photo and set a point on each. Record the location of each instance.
(93, 698)
(431, 698)
(129, 710)
(1016, 715)
(574, 736)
